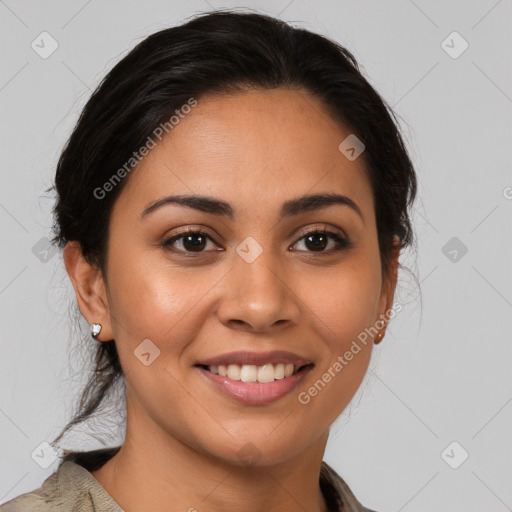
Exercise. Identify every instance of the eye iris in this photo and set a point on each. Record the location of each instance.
(189, 240)
(320, 244)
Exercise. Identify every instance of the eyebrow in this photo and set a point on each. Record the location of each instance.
(290, 208)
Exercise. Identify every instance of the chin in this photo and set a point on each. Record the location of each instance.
(258, 450)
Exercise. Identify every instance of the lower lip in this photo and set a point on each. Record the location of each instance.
(255, 392)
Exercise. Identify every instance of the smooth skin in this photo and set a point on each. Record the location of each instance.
(254, 150)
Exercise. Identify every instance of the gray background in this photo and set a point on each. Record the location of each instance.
(442, 373)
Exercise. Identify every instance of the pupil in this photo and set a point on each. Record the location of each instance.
(189, 239)
(321, 244)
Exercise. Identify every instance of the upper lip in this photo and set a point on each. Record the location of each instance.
(256, 358)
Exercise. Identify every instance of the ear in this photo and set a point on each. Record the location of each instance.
(89, 288)
(388, 289)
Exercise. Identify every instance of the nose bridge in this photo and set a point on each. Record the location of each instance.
(263, 275)
(258, 294)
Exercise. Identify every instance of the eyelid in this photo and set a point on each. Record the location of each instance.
(190, 229)
(324, 228)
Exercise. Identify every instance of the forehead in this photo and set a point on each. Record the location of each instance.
(254, 148)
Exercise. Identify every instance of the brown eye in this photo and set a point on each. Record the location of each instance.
(195, 242)
(318, 240)
(191, 241)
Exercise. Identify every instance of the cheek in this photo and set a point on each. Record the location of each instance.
(341, 327)
(163, 305)
(344, 301)
(156, 300)
(343, 308)
(148, 300)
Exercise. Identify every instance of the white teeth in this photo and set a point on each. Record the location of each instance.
(279, 371)
(248, 373)
(266, 373)
(234, 372)
(253, 373)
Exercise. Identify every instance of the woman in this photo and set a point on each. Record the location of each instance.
(232, 204)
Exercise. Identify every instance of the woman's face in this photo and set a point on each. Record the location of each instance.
(253, 283)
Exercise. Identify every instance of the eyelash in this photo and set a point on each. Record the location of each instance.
(343, 243)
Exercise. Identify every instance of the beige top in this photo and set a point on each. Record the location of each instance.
(73, 488)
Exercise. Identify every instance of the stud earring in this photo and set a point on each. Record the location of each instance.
(95, 330)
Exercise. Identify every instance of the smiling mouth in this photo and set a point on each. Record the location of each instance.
(263, 374)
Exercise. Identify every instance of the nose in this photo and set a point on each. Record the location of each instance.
(258, 297)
